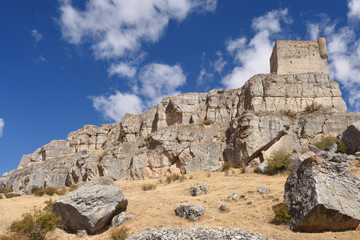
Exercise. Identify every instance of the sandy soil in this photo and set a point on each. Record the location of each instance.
(252, 211)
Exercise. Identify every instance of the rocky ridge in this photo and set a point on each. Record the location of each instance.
(193, 132)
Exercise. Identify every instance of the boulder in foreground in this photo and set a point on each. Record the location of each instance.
(91, 207)
(323, 195)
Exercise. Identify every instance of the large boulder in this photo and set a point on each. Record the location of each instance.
(351, 137)
(189, 211)
(91, 207)
(323, 194)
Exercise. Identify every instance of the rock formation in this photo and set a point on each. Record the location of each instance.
(323, 194)
(91, 207)
(197, 131)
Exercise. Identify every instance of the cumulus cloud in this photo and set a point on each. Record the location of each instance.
(117, 28)
(220, 63)
(115, 106)
(160, 80)
(36, 35)
(122, 70)
(249, 54)
(354, 9)
(154, 82)
(2, 124)
(204, 77)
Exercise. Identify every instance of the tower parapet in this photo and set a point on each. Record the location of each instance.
(291, 57)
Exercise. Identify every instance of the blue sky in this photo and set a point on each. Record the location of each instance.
(65, 64)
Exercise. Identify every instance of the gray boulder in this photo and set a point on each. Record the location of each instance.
(223, 207)
(191, 212)
(194, 191)
(263, 190)
(234, 196)
(91, 207)
(204, 188)
(323, 195)
(351, 137)
(120, 219)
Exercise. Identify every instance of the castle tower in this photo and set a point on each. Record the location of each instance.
(299, 57)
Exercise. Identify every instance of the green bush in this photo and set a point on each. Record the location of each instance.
(6, 190)
(34, 226)
(37, 191)
(325, 143)
(50, 191)
(282, 215)
(278, 161)
(73, 188)
(120, 233)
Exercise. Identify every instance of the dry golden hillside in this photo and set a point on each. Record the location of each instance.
(155, 208)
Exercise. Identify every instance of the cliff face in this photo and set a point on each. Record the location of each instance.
(193, 132)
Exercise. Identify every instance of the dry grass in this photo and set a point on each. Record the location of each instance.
(252, 211)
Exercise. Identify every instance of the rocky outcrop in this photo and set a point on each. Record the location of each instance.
(323, 194)
(91, 207)
(193, 132)
(189, 211)
(197, 233)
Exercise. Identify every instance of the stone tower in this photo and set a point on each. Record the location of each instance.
(299, 57)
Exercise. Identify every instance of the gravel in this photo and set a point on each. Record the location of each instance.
(192, 233)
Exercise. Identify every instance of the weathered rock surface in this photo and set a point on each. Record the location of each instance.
(323, 194)
(120, 219)
(193, 132)
(196, 233)
(91, 207)
(351, 137)
(189, 211)
(194, 191)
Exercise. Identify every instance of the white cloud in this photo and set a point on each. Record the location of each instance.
(117, 28)
(204, 77)
(354, 9)
(36, 35)
(160, 80)
(2, 124)
(219, 65)
(249, 54)
(122, 70)
(116, 106)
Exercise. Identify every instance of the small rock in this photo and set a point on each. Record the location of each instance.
(2, 196)
(120, 219)
(194, 191)
(333, 148)
(263, 190)
(233, 196)
(81, 233)
(191, 212)
(247, 169)
(357, 154)
(351, 158)
(263, 167)
(205, 188)
(314, 149)
(223, 207)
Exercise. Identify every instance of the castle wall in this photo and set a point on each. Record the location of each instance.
(289, 57)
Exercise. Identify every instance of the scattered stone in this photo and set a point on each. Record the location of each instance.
(204, 188)
(234, 196)
(323, 195)
(91, 207)
(191, 212)
(81, 233)
(263, 190)
(194, 232)
(194, 191)
(2, 196)
(357, 153)
(223, 207)
(120, 219)
(333, 148)
(247, 169)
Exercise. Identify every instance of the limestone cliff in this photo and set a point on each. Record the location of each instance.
(192, 132)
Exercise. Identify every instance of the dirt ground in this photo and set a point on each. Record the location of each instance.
(155, 208)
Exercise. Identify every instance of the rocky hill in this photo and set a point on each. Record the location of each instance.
(193, 132)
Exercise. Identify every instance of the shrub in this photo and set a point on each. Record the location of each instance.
(34, 226)
(61, 191)
(243, 169)
(282, 215)
(314, 107)
(278, 161)
(182, 178)
(120, 233)
(148, 187)
(37, 191)
(50, 191)
(287, 113)
(6, 190)
(326, 142)
(226, 166)
(9, 195)
(173, 178)
(207, 122)
(73, 188)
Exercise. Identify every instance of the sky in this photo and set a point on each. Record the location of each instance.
(68, 63)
